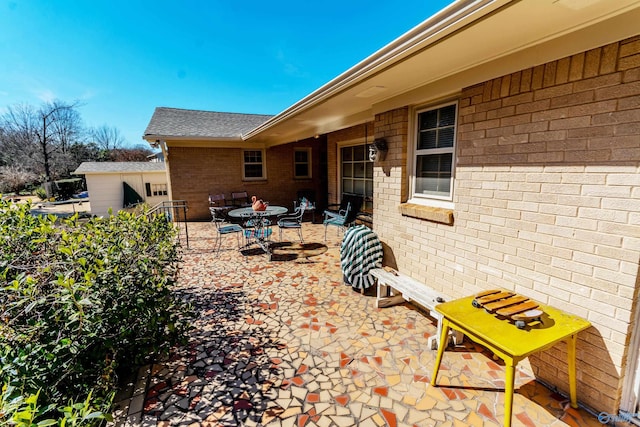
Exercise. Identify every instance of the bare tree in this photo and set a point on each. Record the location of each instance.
(139, 153)
(18, 140)
(107, 138)
(61, 126)
(39, 140)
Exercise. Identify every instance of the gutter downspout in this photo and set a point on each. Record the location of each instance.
(165, 153)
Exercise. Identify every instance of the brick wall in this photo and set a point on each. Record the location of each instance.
(198, 172)
(547, 195)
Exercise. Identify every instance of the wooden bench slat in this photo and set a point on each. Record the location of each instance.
(504, 302)
(494, 297)
(510, 311)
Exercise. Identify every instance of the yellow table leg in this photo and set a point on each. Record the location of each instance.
(509, 381)
(571, 355)
(443, 345)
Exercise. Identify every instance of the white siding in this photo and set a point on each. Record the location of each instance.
(106, 190)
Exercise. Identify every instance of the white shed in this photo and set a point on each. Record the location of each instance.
(106, 182)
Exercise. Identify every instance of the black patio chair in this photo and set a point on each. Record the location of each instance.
(240, 199)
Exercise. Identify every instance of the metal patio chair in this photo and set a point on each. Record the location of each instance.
(240, 199)
(292, 221)
(224, 228)
(346, 214)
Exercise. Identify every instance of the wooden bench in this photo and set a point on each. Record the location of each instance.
(406, 288)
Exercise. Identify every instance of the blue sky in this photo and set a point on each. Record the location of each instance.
(121, 59)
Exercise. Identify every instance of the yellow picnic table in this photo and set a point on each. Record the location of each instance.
(510, 343)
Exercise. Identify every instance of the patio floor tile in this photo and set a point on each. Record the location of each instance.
(286, 343)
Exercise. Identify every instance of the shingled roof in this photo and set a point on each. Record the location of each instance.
(118, 167)
(175, 122)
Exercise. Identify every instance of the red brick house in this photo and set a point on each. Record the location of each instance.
(513, 134)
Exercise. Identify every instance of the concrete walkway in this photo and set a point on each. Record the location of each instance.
(286, 343)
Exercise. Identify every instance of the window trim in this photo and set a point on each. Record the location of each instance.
(153, 188)
(428, 199)
(352, 143)
(263, 164)
(159, 190)
(309, 152)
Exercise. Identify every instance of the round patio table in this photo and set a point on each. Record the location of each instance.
(258, 228)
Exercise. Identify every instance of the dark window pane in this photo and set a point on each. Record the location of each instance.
(428, 119)
(427, 140)
(301, 156)
(347, 170)
(428, 164)
(358, 153)
(302, 170)
(447, 116)
(433, 175)
(252, 156)
(347, 186)
(445, 137)
(368, 188)
(347, 154)
(253, 171)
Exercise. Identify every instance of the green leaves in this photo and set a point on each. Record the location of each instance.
(76, 296)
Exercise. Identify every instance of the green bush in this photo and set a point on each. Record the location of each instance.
(41, 193)
(80, 302)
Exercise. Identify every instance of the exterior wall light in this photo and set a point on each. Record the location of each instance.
(378, 150)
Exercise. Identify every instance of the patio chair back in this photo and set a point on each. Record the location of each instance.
(292, 221)
(217, 200)
(355, 203)
(240, 198)
(223, 228)
(345, 216)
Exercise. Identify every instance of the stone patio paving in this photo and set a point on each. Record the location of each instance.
(286, 343)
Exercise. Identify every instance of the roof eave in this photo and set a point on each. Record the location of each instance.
(430, 31)
(153, 138)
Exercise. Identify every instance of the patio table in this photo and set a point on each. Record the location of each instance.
(510, 343)
(260, 233)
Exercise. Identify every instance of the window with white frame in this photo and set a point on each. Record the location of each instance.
(302, 163)
(156, 189)
(434, 152)
(253, 164)
(357, 173)
(159, 189)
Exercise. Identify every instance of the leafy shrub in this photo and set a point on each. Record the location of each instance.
(79, 302)
(41, 193)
